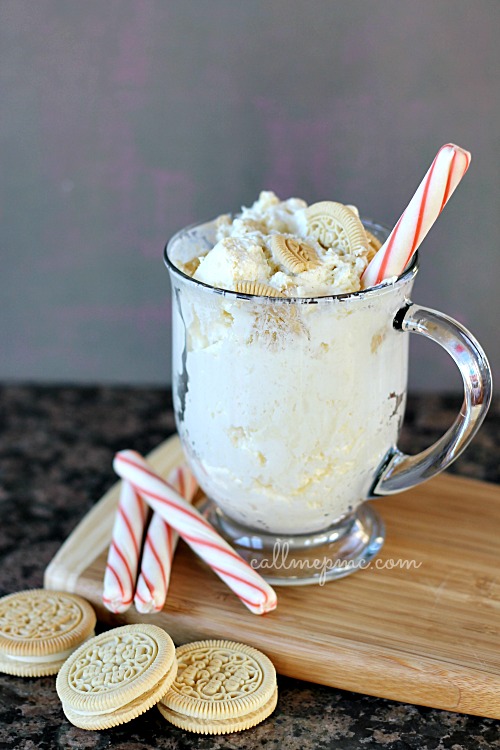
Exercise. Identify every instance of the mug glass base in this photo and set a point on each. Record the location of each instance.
(302, 559)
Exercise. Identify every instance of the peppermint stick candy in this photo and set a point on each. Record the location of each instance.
(446, 171)
(159, 548)
(124, 551)
(246, 583)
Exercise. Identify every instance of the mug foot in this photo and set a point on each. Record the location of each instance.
(301, 559)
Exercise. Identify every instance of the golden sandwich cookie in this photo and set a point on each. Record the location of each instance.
(221, 687)
(335, 225)
(116, 676)
(295, 255)
(39, 629)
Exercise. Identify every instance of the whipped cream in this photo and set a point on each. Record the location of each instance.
(285, 407)
(244, 251)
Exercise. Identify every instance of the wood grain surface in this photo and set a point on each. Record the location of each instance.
(423, 632)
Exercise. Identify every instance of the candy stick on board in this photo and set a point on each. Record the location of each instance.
(159, 548)
(124, 551)
(246, 583)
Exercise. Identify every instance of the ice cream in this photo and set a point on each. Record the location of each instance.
(287, 398)
(250, 248)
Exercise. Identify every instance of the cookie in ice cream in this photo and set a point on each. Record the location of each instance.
(335, 225)
(286, 246)
(295, 256)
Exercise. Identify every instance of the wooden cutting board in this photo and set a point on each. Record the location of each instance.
(428, 635)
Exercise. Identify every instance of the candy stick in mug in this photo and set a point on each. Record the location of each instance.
(124, 550)
(446, 171)
(246, 583)
(159, 548)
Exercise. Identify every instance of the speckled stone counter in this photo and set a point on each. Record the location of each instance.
(56, 447)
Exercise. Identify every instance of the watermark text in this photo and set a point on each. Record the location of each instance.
(282, 560)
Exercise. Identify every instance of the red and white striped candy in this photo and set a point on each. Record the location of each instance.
(246, 583)
(159, 548)
(446, 171)
(125, 550)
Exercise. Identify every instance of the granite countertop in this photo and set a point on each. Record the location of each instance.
(56, 447)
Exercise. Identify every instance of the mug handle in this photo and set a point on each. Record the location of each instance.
(400, 471)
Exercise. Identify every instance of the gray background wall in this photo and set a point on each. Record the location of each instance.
(122, 121)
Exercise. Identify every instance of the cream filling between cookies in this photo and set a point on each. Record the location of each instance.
(128, 704)
(259, 712)
(46, 659)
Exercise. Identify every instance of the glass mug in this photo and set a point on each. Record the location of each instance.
(289, 411)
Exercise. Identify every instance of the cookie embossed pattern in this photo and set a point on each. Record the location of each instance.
(39, 629)
(128, 656)
(39, 616)
(221, 687)
(335, 226)
(218, 673)
(117, 676)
